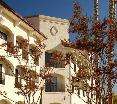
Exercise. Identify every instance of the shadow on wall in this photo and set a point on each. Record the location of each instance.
(5, 101)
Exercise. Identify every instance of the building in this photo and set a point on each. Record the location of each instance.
(14, 32)
(17, 38)
(56, 29)
(114, 98)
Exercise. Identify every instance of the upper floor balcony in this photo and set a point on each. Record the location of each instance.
(19, 47)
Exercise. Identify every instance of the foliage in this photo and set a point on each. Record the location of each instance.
(31, 82)
(28, 81)
(91, 38)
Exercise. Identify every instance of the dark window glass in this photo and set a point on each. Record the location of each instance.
(49, 62)
(78, 91)
(57, 84)
(48, 59)
(25, 54)
(83, 93)
(3, 36)
(16, 76)
(51, 86)
(2, 76)
(17, 79)
(32, 51)
(74, 67)
(0, 73)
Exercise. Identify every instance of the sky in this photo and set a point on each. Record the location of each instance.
(56, 8)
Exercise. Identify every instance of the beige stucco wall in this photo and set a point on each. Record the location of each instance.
(8, 24)
(46, 23)
(53, 39)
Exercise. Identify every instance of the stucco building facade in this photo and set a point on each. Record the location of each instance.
(56, 29)
(34, 30)
(16, 38)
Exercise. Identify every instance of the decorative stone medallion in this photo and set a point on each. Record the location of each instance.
(53, 30)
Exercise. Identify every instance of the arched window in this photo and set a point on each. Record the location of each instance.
(20, 73)
(6, 68)
(57, 84)
(23, 44)
(35, 53)
(7, 38)
(25, 78)
(51, 61)
(7, 65)
(3, 38)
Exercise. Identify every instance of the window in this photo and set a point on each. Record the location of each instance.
(25, 53)
(17, 79)
(2, 75)
(57, 84)
(7, 39)
(23, 44)
(83, 93)
(75, 67)
(35, 53)
(50, 62)
(78, 90)
(51, 87)
(3, 38)
(47, 59)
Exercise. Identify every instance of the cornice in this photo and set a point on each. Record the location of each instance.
(18, 18)
(53, 20)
